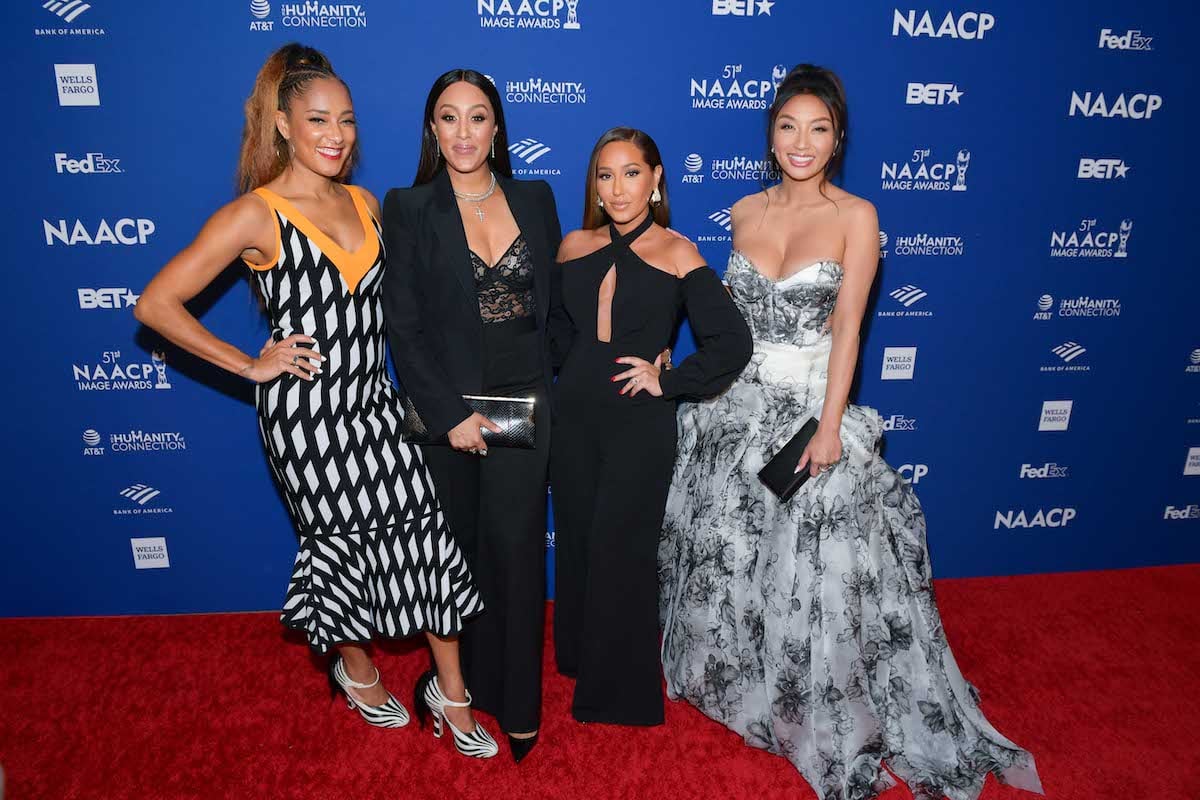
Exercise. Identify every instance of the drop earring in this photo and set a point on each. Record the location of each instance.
(493, 147)
(599, 203)
(656, 196)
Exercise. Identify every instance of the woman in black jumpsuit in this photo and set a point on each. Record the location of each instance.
(613, 446)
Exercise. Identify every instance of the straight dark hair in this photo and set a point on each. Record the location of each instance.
(431, 162)
(824, 85)
(593, 215)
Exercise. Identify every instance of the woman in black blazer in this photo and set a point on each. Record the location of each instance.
(467, 299)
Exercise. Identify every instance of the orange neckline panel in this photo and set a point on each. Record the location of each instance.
(353, 266)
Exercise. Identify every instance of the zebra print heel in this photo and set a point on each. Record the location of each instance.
(474, 744)
(391, 714)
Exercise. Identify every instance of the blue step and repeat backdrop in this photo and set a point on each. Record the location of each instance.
(1032, 344)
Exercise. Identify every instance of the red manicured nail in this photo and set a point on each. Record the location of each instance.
(613, 379)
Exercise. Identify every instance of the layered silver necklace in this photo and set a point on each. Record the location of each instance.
(477, 198)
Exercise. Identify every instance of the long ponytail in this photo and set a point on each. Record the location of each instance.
(286, 73)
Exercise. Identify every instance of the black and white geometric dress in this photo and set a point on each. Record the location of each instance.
(376, 557)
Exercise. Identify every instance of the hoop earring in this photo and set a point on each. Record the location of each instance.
(656, 196)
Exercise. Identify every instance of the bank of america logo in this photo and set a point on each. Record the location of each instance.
(1069, 351)
(140, 493)
(91, 438)
(1045, 303)
(529, 150)
(260, 8)
(908, 294)
(68, 9)
(693, 162)
(724, 218)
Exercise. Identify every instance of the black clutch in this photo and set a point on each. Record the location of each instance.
(514, 415)
(779, 475)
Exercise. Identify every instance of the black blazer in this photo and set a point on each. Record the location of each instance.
(429, 298)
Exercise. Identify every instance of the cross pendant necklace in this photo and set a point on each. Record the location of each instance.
(479, 212)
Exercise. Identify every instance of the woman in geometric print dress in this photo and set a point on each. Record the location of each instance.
(376, 558)
(810, 627)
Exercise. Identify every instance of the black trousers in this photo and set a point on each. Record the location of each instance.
(610, 472)
(496, 509)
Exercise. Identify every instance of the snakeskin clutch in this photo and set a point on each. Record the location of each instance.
(514, 415)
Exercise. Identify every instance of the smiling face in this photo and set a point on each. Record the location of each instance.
(320, 127)
(804, 137)
(624, 181)
(464, 124)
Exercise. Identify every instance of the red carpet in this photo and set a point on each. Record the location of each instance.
(1096, 673)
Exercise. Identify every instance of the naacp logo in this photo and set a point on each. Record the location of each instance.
(1141, 105)
(111, 373)
(530, 151)
(111, 298)
(91, 443)
(1091, 240)
(912, 473)
(67, 11)
(543, 92)
(1129, 40)
(1194, 366)
(899, 363)
(933, 94)
(127, 231)
(742, 8)
(1077, 307)
(923, 173)
(1067, 352)
(735, 89)
(723, 219)
(1048, 470)
(1042, 518)
(141, 497)
(534, 14)
(899, 422)
(90, 164)
(907, 296)
(1056, 415)
(320, 15)
(970, 25)
(260, 10)
(1191, 511)
(1101, 169)
(77, 84)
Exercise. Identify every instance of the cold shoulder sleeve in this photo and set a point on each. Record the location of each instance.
(723, 343)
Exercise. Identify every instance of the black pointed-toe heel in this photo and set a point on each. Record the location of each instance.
(521, 747)
(419, 703)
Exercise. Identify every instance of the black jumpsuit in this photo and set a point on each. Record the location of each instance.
(611, 462)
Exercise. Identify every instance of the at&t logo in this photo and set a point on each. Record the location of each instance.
(969, 25)
(899, 422)
(741, 8)
(933, 94)
(1042, 518)
(107, 298)
(733, 90)
(1141, 105)
(90, 164)
(260, 10)
(1090, 240)
(693, 164)
(1102, 169)
(91, 443)
(1130, 40)
(1048, 470)
(537, 14)
(127, 231)
(1044, 304)
(922, 173)
(1194, 366)
(1191, 511)
(912, 473)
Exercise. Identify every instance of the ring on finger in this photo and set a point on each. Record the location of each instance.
(295, 360)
